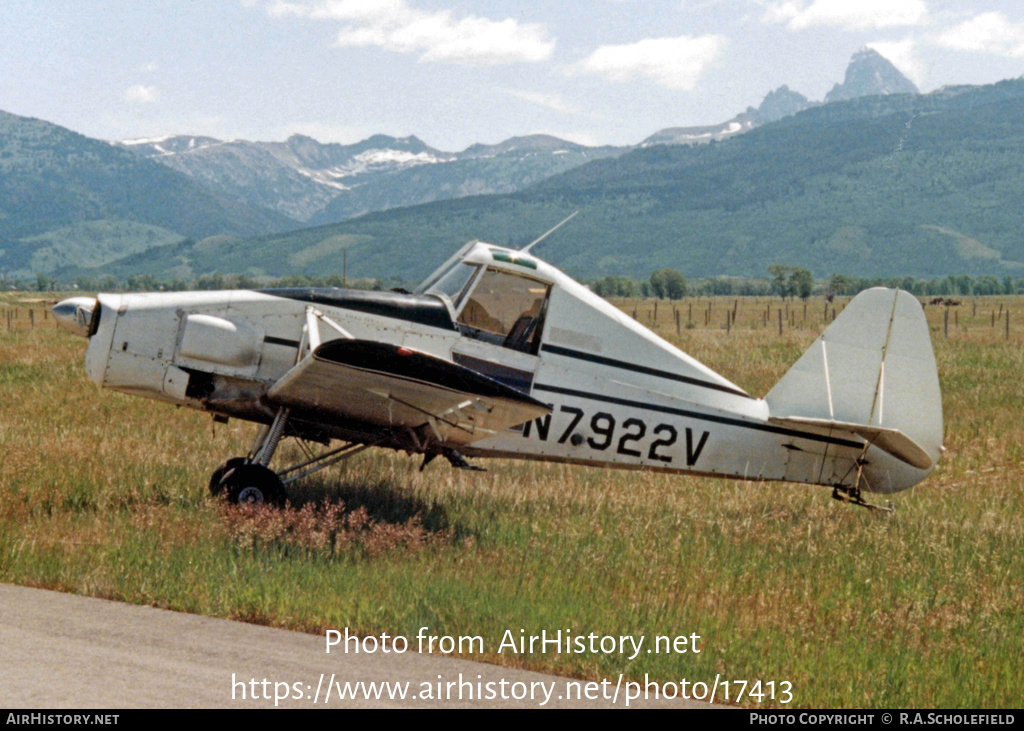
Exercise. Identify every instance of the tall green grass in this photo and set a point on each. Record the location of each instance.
(104, 494)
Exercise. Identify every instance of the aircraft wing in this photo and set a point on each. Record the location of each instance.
(388, 385)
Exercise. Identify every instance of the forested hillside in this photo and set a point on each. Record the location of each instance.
(53, 180)
(920, 185)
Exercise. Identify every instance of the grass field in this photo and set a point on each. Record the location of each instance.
(105, 495)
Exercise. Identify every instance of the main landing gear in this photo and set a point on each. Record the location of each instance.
(248, 484)
(249, 481)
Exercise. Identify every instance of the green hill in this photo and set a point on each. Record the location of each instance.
(52, 179)
(922, 185)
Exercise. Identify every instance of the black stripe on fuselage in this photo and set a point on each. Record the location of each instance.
(730, 421)
(281, 341)
(626, 366)
(421, 309)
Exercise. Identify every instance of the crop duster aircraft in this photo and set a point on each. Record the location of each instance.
(498, 354)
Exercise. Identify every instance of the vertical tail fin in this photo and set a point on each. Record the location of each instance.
(871, 373)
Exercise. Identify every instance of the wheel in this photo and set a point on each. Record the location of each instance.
(216, 479)
(253, 484)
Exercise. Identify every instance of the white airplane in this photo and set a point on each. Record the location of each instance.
(498, 354)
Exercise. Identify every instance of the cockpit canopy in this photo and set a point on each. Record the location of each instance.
(495, 295)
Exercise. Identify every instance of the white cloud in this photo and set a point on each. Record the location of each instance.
(437, 36)
(141, 94)
(361, 11)
(903, 55)
(675, 63)
(986, 33)
(848, 14)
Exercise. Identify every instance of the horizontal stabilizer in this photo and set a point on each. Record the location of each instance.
(894, 442)
(388, 385)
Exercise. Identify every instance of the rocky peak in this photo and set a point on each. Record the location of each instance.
(780, 103)
(870, 74)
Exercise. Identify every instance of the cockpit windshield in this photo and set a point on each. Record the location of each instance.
(454, 283)
(428, 283)
(490, 304)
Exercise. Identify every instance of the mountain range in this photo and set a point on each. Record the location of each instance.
(826, 185)
(315, 183)
(868, 74)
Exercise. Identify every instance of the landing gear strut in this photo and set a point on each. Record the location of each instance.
(249, 479)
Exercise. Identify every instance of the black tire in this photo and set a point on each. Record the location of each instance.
(217, 478)
(253, 484)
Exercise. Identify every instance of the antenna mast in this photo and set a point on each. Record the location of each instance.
(526, 249)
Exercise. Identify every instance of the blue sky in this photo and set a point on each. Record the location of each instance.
(459, 72)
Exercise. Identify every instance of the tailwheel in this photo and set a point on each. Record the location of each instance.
(852, 495)
(252, 484)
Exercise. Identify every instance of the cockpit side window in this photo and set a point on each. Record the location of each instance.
(507, 310)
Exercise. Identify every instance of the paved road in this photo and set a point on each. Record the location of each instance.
(63, 651)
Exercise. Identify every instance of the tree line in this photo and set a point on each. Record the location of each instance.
(795, 282)
(782, 281)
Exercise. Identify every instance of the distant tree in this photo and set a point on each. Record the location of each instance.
(657, 284)
(143, 283)
(668, 283)
(780, 279)
(838, 284)
(87, 284)
(210, 281)
(964, 284)
(791, 281)
(801, 283)
(612, 286)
